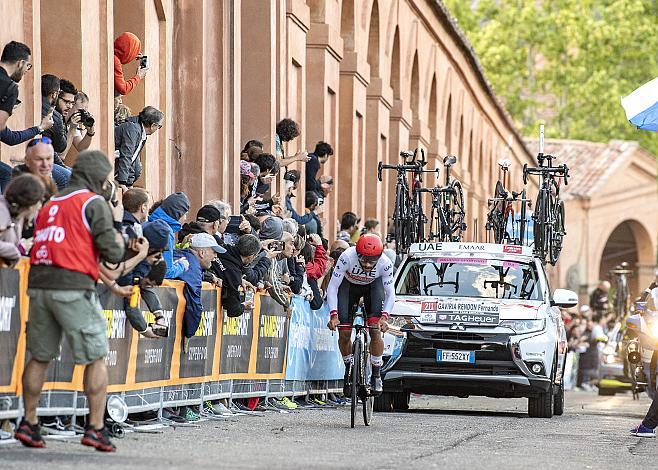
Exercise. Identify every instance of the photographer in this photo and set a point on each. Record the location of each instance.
(127, 48)
(82, 122)
(231, 269)
(62, 132)
(14, 63)
(70, 305)
(129, 140)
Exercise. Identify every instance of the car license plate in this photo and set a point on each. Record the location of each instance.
(443, 355)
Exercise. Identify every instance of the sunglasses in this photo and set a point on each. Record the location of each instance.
(40, 140)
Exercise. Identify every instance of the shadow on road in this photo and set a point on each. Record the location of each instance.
(429, 411)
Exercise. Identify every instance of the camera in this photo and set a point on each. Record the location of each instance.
(143, 62)
(276, 246)
(86, 119)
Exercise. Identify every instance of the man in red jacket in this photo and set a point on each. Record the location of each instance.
(127, 48)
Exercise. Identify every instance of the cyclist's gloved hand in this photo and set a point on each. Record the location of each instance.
(333, 322)
(383, 323)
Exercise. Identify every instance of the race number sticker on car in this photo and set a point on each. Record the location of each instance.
(460, 311)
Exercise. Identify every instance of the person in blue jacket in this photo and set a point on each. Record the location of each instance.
(172, 210)
(202, 251)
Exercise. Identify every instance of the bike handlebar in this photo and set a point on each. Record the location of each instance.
(561, 171)
(416, 167)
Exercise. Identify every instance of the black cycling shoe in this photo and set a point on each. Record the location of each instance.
(347, 387)
(376, 385)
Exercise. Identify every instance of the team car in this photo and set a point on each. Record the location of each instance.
(475, 319)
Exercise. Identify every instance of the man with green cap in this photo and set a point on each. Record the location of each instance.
(74, 231)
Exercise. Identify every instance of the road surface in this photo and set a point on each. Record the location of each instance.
(473, 433)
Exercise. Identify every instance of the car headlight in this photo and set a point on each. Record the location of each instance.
(524, 326)
(400, 322)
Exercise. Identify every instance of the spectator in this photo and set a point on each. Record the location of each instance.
(278, 275)
(370, 226)
(14, 63)
(349, 227)
(81, 122)
(71, 304)
(322, 186)
(136, 209)
(121, 113)
(598, 301)
(208, 220)
(148, 273)
(286, 131)
(313, 225)
(247, 180)
(39, 156)
(19, 205)
(11, 138)
(316, 264)
(290, 179)
(202, 250)
(231, 267)
(337, 249)
(296, 265)
(61, 134)
(271, 231)
(290, 225)
(251, 150)
(127, 48)
(172, 210)
(129, 139)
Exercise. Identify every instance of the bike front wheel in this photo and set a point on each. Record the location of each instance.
(457, 213)
(357, 378)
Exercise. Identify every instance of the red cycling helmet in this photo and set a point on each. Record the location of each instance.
(369, 245)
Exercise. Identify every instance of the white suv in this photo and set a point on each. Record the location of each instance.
(475, 319)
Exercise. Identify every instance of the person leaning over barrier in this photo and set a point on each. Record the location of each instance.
(203, 248)
(73, 232)
(231, 267)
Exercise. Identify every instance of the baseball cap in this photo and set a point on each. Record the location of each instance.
(245, 169)
(205, 240)
(208, 213)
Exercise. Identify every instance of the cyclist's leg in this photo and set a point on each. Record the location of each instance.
(346, 298)
(374, 302)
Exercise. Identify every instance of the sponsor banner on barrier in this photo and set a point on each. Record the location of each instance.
(10, 324)
(272, 337)
(119, 334)
(313, 352)
(154, 356)
(198, 360)
(237, 336)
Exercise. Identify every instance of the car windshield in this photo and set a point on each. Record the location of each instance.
(469, 277)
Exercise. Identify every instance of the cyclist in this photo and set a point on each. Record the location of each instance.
(362, 272)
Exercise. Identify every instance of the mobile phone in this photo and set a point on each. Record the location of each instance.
(275, 246)
(143, 62)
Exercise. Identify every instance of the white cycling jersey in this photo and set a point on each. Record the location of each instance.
(348, 267)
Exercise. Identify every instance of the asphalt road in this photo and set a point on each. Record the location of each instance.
(473, 433)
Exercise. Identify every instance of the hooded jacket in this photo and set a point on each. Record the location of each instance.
(174, 204)
(230, 269)
(126, 48)
(89, 172)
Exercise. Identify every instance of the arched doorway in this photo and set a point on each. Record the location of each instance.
(631, 243)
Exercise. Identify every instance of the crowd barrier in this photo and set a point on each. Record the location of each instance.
(267, 352)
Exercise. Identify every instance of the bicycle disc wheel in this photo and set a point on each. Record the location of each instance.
(539, 227)
(398, 222)
(457, 213)
(557, 232)
(356, 375)
(368, 399)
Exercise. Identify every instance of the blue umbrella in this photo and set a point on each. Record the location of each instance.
(641, 106)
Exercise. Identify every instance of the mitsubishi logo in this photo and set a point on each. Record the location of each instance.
(457, 327)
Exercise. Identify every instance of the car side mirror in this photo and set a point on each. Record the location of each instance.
(564, 298)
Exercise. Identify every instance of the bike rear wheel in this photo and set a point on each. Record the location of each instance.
(367, 398)
(398, 221)
(457, 213)
(557, 234)
(357, 366)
